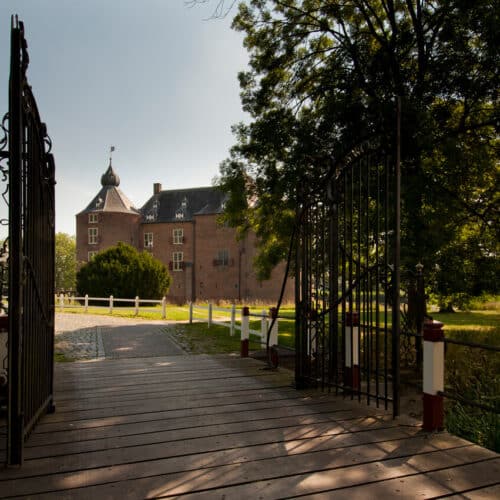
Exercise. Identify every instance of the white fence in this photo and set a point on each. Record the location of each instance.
(63, 301)
(228, 317)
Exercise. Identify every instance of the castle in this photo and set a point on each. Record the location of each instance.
(180, 228)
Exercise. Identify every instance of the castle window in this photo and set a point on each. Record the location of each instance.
(177, 261)
(178, 236)
(93, 233)
(93, 219)
(148, 240)
(222, 258)
(91, 255)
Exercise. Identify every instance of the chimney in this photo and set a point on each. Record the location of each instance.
(156, 188)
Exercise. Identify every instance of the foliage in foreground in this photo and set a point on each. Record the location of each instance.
(474, 374)
(322, 79)
(123, 272)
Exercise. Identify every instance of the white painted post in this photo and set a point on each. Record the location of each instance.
(433, 383)
(233, 319)
(86, 303)
(164, 308)
(263, 327)
(190, 313)
(245, 331)
(110, 304)
(352, 349)
(61, 301)
(137, 305)
(273, 315)
(209, 314)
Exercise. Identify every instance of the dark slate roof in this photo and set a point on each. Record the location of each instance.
(110, 198)
(179, 205)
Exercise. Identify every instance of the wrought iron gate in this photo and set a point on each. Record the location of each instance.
(30, 176)
(347, 279)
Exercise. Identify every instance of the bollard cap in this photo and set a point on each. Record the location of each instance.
(273, 312)
(433, 330)
(352, 318)
(245, 311)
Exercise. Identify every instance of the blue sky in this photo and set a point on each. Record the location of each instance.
(154, 78)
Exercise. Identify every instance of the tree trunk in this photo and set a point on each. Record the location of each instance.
(446, 308)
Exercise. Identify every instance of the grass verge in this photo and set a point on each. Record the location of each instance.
(197, 338)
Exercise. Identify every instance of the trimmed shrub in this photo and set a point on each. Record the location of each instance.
(124, 272)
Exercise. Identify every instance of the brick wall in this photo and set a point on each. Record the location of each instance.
(217, 254)
(215, 265)
(163, 248)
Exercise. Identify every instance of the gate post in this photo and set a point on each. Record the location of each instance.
(136, 306)
(245, 333)
(273, 337)
(433, 384)
(110, 304)
(352, 349)
(233, 318)
(164, 308)
(86, 303)
(190, 313)
(420, 313)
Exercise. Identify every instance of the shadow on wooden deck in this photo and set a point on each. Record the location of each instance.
(221, 427)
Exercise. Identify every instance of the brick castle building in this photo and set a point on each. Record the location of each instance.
(180, 228)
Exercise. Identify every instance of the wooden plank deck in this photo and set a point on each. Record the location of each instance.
(223, 428)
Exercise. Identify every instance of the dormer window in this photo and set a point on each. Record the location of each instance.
(179, 215)
(184, 203)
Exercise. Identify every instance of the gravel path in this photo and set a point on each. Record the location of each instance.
(86, 337)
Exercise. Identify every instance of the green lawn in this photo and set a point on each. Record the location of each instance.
(197, 338)
(478, 326)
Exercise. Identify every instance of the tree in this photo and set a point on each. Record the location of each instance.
(323, 77)
(65, 264)
(124, 272)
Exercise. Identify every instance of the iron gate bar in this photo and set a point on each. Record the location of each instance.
(396, 276)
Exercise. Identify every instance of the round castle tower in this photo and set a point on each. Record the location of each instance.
(109, 218)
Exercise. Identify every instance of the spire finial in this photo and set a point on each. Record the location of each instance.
(111, 149)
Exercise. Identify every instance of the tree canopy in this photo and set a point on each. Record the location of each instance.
(124, 272)
(323, 78)
(65, 264)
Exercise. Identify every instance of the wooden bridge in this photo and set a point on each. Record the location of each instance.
(222, 427)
